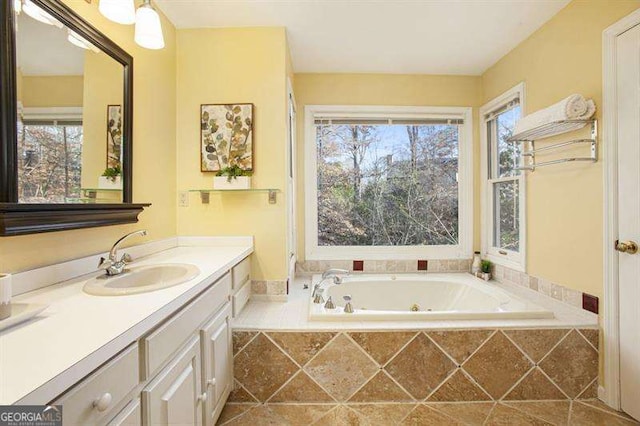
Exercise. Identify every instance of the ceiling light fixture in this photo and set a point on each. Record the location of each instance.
(39, 14)
(148, 32)
(79, 41)
(120, 11)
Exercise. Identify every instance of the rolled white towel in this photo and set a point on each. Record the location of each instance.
(574, 107)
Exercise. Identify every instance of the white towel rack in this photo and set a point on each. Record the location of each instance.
(552, 129)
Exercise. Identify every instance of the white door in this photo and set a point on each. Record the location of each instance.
(174, 396)
(628, 107)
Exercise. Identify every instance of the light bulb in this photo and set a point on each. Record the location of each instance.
(148, 32)
(80, 41)
(39, 15)
(120, 11)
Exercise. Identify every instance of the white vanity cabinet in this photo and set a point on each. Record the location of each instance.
(131, 415)
(174, 396)
(241, 285)
(180, 372)
(217, 355)
(97, 398)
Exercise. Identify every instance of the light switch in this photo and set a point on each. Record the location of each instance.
(183, 199)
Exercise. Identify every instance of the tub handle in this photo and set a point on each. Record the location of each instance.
(348, 307)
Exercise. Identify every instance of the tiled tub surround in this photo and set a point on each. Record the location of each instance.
(273, 290)
(532, 376)
(415, 366)
(310, 267)
(572, 297)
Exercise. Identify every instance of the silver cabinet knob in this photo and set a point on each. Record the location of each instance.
(203, 397)
(102, 403)
(211, 382)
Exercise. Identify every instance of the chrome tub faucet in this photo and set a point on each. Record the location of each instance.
(114, 266)
(334, 273)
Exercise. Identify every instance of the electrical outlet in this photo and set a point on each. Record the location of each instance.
(183, 199)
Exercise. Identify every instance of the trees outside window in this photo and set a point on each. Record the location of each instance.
(388, 182)
(49, 161)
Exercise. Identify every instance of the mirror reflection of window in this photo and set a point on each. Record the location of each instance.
(68, 92)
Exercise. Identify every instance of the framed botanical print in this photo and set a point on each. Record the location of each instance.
(114, 136)
(226, 136)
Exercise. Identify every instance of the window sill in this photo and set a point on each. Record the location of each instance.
(506, 262)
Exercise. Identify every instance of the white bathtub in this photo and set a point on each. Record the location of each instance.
(435, 296)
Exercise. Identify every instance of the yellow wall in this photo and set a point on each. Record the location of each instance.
(52, 91)
(103, 80)
(564, 202)
(240, 65)
(383, 89)
(154, 156)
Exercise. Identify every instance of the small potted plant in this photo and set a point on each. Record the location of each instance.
(232, 177)
(485, 270)
(111, 178)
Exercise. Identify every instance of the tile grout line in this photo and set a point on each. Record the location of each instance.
(525, 352)
(246, 344)
(301, 369)
(588, 341)
(535, 416)
(613, 413)
(587, 388)
(471, 356)
(562, 339)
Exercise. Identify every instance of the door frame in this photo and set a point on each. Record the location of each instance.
(610, 392)
(291, 206)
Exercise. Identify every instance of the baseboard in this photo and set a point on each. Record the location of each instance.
(269, 297)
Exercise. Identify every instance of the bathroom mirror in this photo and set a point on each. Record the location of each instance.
(66, 122)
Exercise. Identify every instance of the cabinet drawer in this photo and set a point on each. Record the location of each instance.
(162, 343)
(241, 273)
(131, 415)
(109, 385)
(240, 298)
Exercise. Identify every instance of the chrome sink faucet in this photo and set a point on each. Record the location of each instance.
(113, 265)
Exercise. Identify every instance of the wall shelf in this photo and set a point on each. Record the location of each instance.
(553, 129)
(205, 193)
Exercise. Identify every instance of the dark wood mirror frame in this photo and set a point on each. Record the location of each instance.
(18, 218)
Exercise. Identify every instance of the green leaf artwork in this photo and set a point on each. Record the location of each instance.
(226, 137)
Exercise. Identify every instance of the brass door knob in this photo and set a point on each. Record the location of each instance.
(629, 247)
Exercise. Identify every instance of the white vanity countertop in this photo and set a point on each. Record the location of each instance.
(78, 332)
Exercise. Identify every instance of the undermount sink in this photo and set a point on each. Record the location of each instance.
(141, 279)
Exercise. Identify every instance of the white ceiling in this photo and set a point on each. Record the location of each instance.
(393, 36)
(44, 50)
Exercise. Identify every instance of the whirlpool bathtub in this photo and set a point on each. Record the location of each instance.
(452, 296)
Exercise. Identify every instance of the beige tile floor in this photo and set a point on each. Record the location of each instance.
(585, 412)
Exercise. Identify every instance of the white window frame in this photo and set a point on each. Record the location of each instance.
(508, 258)
(462, 250)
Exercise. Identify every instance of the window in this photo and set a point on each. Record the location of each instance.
(49, 160)
(503, 225)
(388, 183)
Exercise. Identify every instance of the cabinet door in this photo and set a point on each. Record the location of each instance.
(217, 358)
(131, 415)
(174, 396)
